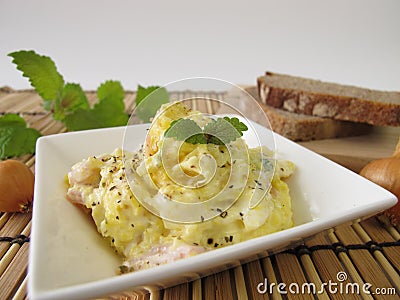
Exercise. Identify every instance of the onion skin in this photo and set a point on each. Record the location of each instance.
(16, 186)
(386, 173)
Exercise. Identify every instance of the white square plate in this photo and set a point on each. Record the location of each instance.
(69, 259)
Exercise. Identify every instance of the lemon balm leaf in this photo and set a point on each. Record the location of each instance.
(72, 98)
(108, 112)
(16, 141)
(42, 74)
(198, 138)
(149, 100)
(224, 130)
(186, 130)
(218, 132)
(143, 92)
(221, 132)
(239, 126)
(15, 138)
(112, 89)
(12, 120)
(68, 102)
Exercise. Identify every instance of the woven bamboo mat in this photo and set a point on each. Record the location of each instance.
(366, 253)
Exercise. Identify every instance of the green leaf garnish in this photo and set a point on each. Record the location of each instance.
(12, 120)
(221, 131)
(108, 112)
(224, 130)
(42, 74)
(15, 138)
(72, 98)
(155, 97)
(68, 101)
(186, 130)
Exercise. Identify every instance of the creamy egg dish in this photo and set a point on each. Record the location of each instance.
(228, 192)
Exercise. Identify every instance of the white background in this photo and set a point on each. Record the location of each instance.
(156, 42)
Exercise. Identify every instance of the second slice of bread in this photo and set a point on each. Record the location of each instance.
(331, 100)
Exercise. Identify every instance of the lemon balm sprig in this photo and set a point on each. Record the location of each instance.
(67, 101)
(220, 131)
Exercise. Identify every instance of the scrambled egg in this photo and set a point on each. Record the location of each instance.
(144, 239)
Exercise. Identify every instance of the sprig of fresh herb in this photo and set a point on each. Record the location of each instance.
(67, 101)
(221, 131)
(108, 112)
(15, 137)
(149, 100)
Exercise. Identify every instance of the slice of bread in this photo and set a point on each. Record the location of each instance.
(331, 100)
(300, 127)
(297, 127)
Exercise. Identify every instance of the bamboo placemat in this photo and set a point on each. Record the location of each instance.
(364, 254)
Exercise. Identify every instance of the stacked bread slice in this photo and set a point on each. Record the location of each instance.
(306, 109)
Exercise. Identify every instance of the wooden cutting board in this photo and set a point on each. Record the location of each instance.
(355, 152)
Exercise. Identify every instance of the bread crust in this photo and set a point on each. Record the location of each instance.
(326, 104)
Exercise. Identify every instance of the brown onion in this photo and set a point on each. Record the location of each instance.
(16, 186)
(386, 173)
